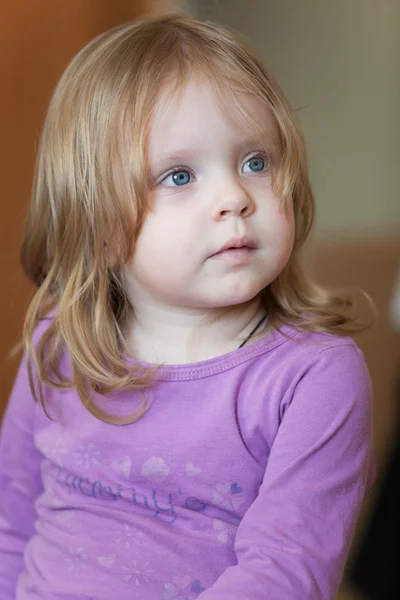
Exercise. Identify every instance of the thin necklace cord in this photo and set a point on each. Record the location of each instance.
(253, 331)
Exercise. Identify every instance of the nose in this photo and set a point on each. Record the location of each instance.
(232, 200)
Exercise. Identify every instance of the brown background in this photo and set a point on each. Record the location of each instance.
(372, 264)
(37, 40)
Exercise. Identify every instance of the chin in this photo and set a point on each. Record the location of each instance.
(237, 297)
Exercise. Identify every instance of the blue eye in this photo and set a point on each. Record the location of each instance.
(177, 179)
(255, 165)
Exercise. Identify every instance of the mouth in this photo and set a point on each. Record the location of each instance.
(236, 250)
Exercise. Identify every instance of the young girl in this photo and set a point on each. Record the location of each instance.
(202, 426)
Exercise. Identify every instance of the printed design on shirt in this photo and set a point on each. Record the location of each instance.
(228, 496)
(155, 469)
(182, 588)
(129, 537)
(86, 457)
(225, 531)
(107, 561)
(57, 451)
(191, 470)
(76, 561)
(122, 467)
(66, 518)
(138, 573)
(162, 505)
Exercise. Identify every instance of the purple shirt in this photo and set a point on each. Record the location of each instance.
(242, 481)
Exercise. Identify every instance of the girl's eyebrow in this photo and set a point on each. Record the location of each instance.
(174, 155)
(267, 143)
(189, 153)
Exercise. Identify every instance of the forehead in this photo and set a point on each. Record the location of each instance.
(197, 110)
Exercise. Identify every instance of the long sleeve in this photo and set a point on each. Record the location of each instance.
(20, 482)
(293, 541)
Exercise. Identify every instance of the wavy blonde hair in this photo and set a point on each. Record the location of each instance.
(91, 186)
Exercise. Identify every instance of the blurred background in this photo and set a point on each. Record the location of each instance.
(339, 64)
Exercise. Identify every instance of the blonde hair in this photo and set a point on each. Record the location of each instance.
(90, 187)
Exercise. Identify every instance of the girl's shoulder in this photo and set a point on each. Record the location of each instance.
(291, 342)
(293, 354)
(301, 354)
(312, 344)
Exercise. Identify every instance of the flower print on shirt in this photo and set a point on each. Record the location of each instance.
(182, 588)
(138, 573)
(66, 518)
(122, 467)
(192, 470)
(228, 496)
(155, 469)
(225, 531)
(86, 457)
(107, 561)
(129, 536)
(57, 451)
(76, 561)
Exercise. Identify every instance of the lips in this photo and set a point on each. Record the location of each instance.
(237, 244)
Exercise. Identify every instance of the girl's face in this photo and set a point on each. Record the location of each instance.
(217, 235)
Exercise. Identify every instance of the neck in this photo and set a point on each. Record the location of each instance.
(171, 335)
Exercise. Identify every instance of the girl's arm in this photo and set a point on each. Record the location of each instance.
(293, 542)
(20, 482)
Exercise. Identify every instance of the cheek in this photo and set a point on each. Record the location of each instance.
(156, 235)
(278, 219)
(169, 232)
(159, 248)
